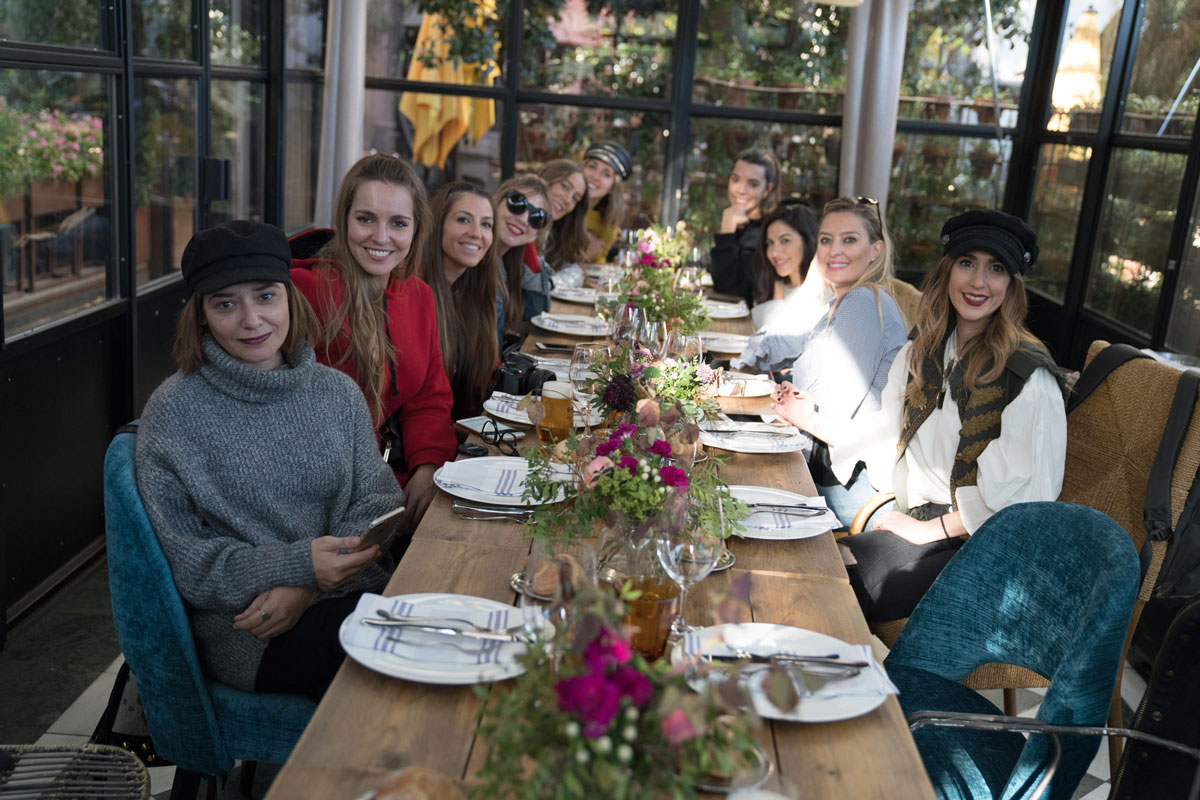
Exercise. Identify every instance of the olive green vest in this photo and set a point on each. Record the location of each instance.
(978, 412)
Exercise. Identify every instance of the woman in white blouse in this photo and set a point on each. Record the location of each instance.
(972, 417)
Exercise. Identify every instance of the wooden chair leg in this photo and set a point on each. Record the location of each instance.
(1010, 702)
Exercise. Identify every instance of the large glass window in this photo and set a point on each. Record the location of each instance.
(947, 73)
(305, 28)
(235, 32)
(302, 147)
(55, 221)
(548, 132)
(777, 54)
(432, 139)
(1084, 62)
(1183, 335)
(1140, 200)
(70, 23)
(808, 157)
(935, 178)
(1057, 198)
(1164, 93)
(162, 28)
(605, 54)
(164, 131)
(238, 121)
(404, 43)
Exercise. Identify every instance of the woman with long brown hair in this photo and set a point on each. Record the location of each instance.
(378, 320)
(973, 405)
(606, 166)
(522, 212)
(754, 189)
(463, 270)
(567, 241)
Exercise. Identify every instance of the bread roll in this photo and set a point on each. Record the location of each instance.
(419, 783)
(546, 576)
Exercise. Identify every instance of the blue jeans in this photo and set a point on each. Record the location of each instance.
(845, 501)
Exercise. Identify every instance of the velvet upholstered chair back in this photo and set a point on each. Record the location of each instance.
(200, 725)
(1045, 586)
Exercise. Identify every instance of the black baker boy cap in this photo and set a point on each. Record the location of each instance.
(236, 252)
(614, 155)
(1008, 237)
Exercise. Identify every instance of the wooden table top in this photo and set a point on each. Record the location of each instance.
(369, 724)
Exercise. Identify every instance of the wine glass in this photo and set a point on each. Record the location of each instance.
(628, 325)
(653, 336)
(688, 557)
(583, 372)
(683, 347)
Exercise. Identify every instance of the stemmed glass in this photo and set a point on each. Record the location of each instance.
(583, 373)
(628, 325)
(683, 347)
(653, 337)
(688, 557)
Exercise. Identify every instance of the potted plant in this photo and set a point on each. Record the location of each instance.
(983, 158)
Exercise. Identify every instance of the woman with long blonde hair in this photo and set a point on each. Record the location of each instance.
(463, 270)
(973, 405)
(567, 241)
(379, 325)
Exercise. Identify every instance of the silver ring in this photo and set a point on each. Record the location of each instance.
(265, 615)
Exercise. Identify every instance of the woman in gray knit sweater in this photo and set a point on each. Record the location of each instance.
(259, 470)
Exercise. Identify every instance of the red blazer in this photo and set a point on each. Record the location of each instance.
(416, 384)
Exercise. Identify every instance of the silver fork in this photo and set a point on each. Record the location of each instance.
(393, 617)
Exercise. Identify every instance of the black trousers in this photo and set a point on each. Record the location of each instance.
(892, 574)
(305, 659)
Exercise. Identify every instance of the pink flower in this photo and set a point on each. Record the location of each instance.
(705, 373)
(677, 728)
(639, 288)
(623, 431)
(661, 447)
(634, 685)
(596, 468)
(593, 698)
(645, 246)
(674, 476)
(631, 464)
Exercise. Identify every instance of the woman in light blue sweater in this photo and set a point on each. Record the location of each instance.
(259, 470)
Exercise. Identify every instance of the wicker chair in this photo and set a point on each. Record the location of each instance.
(80, 772)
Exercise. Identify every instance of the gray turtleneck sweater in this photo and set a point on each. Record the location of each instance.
(239, 470)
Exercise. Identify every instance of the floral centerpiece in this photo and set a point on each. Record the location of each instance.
(651, 284)
(605, 723)
(633, 375)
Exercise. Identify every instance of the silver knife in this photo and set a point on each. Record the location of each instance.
(785, 508)
(766, 434)
(785, 658)
(497, 510)
(491, 636)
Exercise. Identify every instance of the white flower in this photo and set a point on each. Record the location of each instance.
(631, 714)
(603, 745)
(571, 729)
(629, 733)
(582, 756)
(624, 754)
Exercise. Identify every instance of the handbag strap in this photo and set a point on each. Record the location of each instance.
(1094, 374)
(1157, 512)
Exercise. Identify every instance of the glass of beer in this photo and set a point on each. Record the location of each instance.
(556, 425)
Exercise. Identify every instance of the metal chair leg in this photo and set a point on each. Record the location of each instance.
(186, 784)
(246, 779)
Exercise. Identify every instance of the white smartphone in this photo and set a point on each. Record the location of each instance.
(475, 426)
(381, 529)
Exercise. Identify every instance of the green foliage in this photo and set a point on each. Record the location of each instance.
(42, 144)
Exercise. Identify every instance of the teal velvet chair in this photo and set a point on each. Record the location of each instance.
(1046, 586)
(201, 725)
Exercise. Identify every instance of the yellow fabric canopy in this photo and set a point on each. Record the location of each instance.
(440, 120)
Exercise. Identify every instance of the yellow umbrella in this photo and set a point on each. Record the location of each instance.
(439, 120)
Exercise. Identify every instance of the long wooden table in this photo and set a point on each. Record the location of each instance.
(369, 724)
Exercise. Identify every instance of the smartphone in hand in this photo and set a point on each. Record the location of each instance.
(381, 529)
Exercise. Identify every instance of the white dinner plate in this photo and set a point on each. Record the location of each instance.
(500, 663)
(746, 387)
(754, 437)
(830, 704)
(767, 524)
(504, 406)
(571, 324)
(513, 485)
(724, 342)
(572, 294)
(605, 271)
(719, 309)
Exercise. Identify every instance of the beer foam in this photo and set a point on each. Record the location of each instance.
(560, 390)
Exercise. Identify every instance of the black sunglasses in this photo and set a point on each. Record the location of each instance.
(518, 204)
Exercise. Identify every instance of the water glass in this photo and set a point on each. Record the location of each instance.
(583, 372)
(688, 557)
(653, 337)
(628, 326)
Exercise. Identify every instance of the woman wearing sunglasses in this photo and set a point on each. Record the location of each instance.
(462, 269)
(568, 239)
(753, 191)
(842, 360)
(972, 417)
(378, 320)
(606, 166)
(521, 205)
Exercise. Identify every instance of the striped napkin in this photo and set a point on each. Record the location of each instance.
(416, 645)
(487, 478)
(572, 322)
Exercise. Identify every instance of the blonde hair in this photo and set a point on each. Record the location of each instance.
(370, 347)
(879, 274)
(466, 309)
(568, 240)
(1003, 334)
(611, 207)
(190, 327)
(514, 259)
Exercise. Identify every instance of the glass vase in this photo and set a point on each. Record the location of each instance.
(626, 553)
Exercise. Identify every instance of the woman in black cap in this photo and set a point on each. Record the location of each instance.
(974, 405)
(753, 192)
(605, 166)
(259, 471)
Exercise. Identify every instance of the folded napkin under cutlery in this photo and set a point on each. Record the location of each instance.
(488, 478)
(416, 644)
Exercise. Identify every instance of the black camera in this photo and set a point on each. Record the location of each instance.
(519, 374)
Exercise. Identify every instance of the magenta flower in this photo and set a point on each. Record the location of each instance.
(593, 698)
(605, 652)
(607, 448)
(630, 463)
(661, 448)
(677, 728)
(647, 258)
(673, 476)
(623, 431)
(634, 685)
